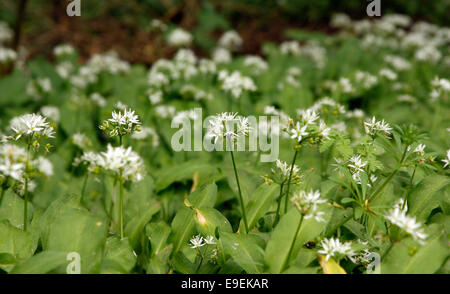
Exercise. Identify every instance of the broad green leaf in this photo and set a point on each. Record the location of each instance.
(118, 252)
(75, 230)
(277, 256)
(15, 241)
(135, 226)
(261, 201)
(244, 250)
(185, 171)
(11, 209)
(408, 257)
(427, 196)
(207, 219)
(158, 233)
(183, 225)
(41, 263)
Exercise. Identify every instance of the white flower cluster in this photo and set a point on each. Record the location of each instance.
(256, 64)
(292, 73)
(199, 241)
(179, 37)
(440, 87)
(230, 40)
(122, 162)
(146, 132)
(6, 33)
(191, 91)
(227, 125)
(235, 83)
(221, 55)
(7, 55)
(81, 141)
(307, 203)
(281, 174)
(373, 126)
(333, 247)
(121, 123)
(108, 62)
(63, 50)
(39, 87)
(32, 126)
(398, 217)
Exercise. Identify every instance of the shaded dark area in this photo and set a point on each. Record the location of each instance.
(125, 26)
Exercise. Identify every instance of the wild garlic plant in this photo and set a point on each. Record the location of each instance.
(32, 130)
(227, 128)
(123, 163)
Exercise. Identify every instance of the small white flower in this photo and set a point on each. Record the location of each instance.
(63, 49)
(221, 55)
(299, 132)
(420, 149)
(398, 217)
(285, 169)
(227, 125)
(447, 160)
(372, 127)
(307, 204)
(357, 164)
(197, 242)
(209, 240)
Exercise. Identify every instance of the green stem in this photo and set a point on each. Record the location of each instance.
(289, 182)
(277, 215)
(241, 200)
(120, 140)
(121, 206)
(293, 241)
(25, 195)
(83, 189)
(388, 179)
(1, 195)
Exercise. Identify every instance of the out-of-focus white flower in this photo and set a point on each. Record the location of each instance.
(6, 33)
(44, 166)
(179, 37)
(209, 240)
(64, 69)
(158, 24)
(341, 21)
(397, 62)
(7, 55)
(52, 112)
(145, 133)
(165, 111)
(420, 149)
(155, 96)
(207, 66)
(428, 54)
(235, 83)
(98, 99)
(388, 74)
(81, 140)
(230, 40)
(221, 55)
(290, 48)
(256, 64)
(63, 49)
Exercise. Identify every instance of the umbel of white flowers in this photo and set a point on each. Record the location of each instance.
(121, 123)
(31, 127)
(227, 125)
(307, 204)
